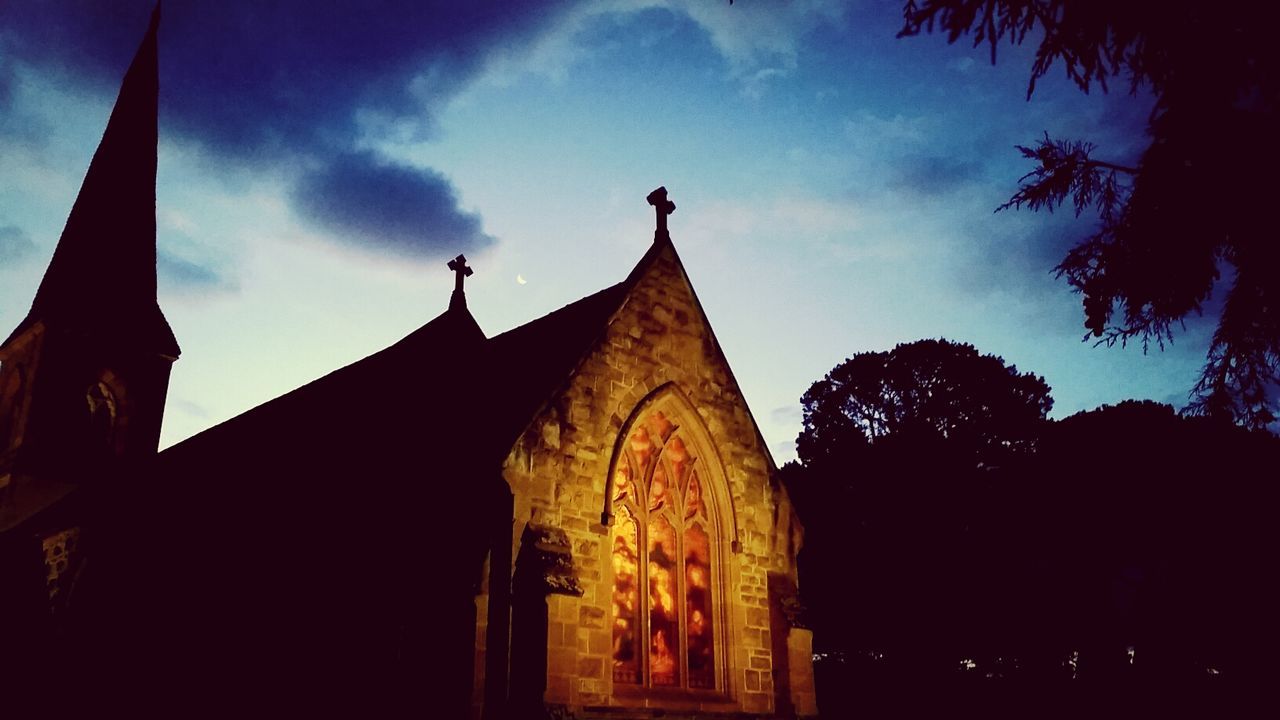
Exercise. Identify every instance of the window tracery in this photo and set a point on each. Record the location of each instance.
(102, 408)
(664, 631)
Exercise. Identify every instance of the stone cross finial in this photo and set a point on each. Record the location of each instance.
(459, 266)
(662, 207)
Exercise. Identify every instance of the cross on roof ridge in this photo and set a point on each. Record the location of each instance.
(459, 266)
(662, 207)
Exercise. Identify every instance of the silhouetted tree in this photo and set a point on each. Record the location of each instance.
(1199, 200)
(908, 484)
(928, 390)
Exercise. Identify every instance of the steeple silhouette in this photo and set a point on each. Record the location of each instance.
(101, 283)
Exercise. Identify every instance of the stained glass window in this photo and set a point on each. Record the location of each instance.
(664, 634)
(626, 600)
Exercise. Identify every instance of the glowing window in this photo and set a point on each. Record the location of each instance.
(664, 634)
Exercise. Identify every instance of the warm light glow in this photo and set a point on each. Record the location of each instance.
(661, 543)
(697, 570)
(658, 488)
(676, 454)
(664, 623)
(641, 448)
(693, 499)
(626, 595)
(622, 482)
(660, 425)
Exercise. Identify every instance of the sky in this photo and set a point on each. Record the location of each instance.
(320, 162)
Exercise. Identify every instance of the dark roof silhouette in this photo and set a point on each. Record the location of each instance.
(445, 384)
(102, 279)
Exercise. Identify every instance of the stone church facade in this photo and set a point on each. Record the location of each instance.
(652, 475)
(574, 518)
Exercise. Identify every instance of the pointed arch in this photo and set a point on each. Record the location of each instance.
(673, 535)
(715, 482)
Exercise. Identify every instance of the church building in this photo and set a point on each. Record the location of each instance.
(575, 518)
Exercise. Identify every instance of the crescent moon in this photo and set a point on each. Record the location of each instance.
(520, 279)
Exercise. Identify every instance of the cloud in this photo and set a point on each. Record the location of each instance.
(22, 127)
(783, 451)
(187, 407)
(934, 175)
(787, 415)
(255, 79)
(14, 244)
(7, 81)
(410, 212)
(269, 84)
(760, 42)
(186, 277)
(871, 131)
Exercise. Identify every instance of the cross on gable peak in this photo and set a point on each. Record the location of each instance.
(459, 266)
(662, 207)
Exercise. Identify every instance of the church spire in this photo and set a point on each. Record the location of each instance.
(102, 279)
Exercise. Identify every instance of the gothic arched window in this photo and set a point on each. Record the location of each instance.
(664, 633)
(101, 418)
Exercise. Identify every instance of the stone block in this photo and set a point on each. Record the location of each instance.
(555, 634)
(592, 617)
(557, 689)
(591, 667)
(599, 642)
(562, 660)
(551, 434)
(757, 702)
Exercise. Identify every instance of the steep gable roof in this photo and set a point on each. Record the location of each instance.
(460, 392)
(381, 389)
(527, 364)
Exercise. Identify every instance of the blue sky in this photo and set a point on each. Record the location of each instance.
(835, 185)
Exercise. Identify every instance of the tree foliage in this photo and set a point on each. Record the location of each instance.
(1197, 203)
(928, 390)
(947, 519)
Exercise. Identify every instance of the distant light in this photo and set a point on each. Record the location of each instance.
(520, 279)
(1130, 651)
(968, 664)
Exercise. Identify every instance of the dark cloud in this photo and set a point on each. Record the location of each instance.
(410, 212)
(934, 175)
(1012, 251)
(7, 81)
(14, 125)
(183, 276)
(254, 79)
(263, 82)
(14, 244)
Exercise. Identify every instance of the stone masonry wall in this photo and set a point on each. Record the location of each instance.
(558, 475)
